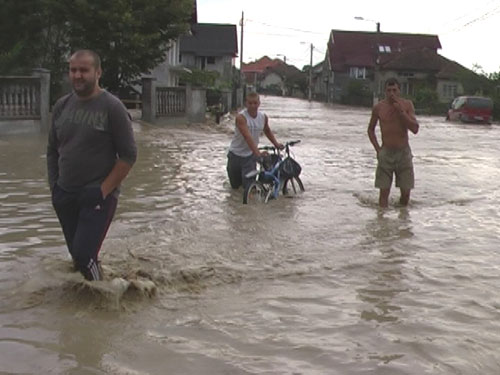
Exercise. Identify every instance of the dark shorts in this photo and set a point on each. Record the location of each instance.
(238, 167)
(85, 219)
(397, 162)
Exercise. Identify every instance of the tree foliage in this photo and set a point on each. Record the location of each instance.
(199, 78)
(131, 36)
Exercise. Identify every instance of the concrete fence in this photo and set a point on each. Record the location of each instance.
(24, 103)
(172, 105)
(170, 101)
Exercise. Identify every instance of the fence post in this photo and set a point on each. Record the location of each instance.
(44, 76)
(148, 99)
(196, 104)
(227, 100)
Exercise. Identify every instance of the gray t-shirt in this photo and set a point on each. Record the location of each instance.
(86, 139)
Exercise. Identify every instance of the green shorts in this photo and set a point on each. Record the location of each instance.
(398, 162)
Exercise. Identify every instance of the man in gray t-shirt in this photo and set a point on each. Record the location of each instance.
(90, 151)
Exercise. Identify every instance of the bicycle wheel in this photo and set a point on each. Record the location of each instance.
(293, 186)
(255, 193)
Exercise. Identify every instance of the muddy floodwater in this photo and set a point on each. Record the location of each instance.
(324, 283)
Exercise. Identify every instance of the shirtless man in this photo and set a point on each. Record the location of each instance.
(396, 116)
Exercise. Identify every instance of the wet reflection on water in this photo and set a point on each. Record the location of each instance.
(321, 284)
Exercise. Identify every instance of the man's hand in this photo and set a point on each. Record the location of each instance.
(280, 146)
(398, 105)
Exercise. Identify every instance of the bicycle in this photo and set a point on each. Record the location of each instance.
(274, 173)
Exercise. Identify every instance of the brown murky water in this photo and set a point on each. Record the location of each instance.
(320, 284)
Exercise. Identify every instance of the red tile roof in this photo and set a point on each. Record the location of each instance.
(417, 59)
(284, 71)
(358, 48)
(260, 65)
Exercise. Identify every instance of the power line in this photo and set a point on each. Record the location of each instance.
(272, 34)
(482, 17)
(285, 28)
(466, 15)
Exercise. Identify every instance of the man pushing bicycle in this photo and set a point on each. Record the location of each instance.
(244, 148)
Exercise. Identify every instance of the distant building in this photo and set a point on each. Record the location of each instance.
(321, 77)
(167, 73)
(274, 76)
(211, 47)
(253, 71)
(368, 59)
(356, 55)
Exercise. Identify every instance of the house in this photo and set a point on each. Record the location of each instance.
(274, 76)
(253, 71)
(369, 58)
(417, 69)
(168, 72)
(321, 77)
(210, 47)
(283, 79)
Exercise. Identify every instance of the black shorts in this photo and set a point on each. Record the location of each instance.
(238, 167)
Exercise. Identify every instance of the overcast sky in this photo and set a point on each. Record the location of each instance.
(468, 30)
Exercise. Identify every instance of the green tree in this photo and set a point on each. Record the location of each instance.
(131, 36)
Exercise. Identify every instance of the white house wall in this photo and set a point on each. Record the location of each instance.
(163, 74)
(271, 79)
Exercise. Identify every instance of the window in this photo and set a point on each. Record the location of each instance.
(406, 74)
(384, 49)
(357, 73)
(449, 91)
(210, 60)
(404, 88)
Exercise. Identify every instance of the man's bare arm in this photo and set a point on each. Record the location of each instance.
(407, 116)
(371, 130)
(270, 135)
(241, 124)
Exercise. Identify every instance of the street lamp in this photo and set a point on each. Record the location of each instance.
(376, 77)
(284, 57)
(368, 20)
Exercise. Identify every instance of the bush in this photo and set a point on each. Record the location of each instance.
(426, 98)
(200, 78)
(357, 94)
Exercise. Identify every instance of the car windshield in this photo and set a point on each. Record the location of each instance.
(479, 103)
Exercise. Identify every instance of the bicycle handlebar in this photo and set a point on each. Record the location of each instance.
(267, 148)
(272, 148)
(292, 143)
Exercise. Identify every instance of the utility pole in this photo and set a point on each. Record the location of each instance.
(310, 74)
(241, 43)
(241, 92)
(376, 78)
